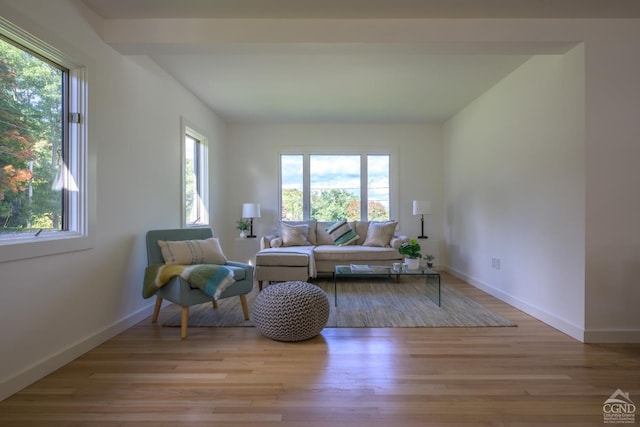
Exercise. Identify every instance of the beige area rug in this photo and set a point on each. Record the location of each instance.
(369, 303)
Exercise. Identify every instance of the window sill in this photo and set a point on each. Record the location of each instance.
(18, 248)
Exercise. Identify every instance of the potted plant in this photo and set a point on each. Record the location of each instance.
(429, 258)
(243, 225)
(411, 252)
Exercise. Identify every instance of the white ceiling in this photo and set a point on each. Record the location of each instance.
(334, 86)
(364, 9)
(347, 82)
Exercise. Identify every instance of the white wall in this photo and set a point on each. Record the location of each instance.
(254, 150)
(613, 176)
(514, 182)
(54, 308)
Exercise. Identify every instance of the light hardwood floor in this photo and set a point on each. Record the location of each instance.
(146, 376)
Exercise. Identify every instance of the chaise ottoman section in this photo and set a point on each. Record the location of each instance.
(279, 265)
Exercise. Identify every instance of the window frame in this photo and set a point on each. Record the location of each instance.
(192, 131)
(79, 206)
(306, 154)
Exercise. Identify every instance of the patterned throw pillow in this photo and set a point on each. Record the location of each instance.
(294, 235)
(380, 233)
(189, 252)
(341, 233)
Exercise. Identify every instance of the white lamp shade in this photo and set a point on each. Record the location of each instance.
(251, 210)
(421, 207)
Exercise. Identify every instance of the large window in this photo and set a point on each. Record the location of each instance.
(195, 205)
(33, 147)
(329, 187)
(43, 151)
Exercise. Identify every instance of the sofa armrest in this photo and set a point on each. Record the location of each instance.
(398, 240)
(265, 241)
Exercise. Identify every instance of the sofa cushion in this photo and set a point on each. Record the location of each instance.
(189, 252)
(294, 235)
(341, 233)
(361, 228)
(380, 233)
(350, 253)
(322, 236)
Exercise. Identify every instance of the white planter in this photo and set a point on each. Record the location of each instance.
(412, 263)
(243, 234)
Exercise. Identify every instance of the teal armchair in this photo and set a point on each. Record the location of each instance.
(178, 290)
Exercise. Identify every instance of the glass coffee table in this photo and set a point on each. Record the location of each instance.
(384, 271)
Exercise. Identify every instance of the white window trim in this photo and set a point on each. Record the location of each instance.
(81, 167)
(306, 152)
(188, 128)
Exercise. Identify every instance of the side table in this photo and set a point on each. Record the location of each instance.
(244, 250)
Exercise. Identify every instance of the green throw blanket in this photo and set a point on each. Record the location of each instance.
(209, 278)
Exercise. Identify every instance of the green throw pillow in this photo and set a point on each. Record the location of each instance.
(341, 233)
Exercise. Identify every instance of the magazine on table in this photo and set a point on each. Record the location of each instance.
(365, 268)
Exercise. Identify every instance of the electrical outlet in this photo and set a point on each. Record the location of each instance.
(495, 263)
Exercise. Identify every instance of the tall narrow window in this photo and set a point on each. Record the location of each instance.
(46, 169)
(378, 187)
(329, 187)
(195, 179)
(33, 143)
(291, 187)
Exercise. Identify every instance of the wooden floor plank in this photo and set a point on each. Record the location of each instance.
(516, 376)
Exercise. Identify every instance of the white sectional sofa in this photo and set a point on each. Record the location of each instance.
(305, 249)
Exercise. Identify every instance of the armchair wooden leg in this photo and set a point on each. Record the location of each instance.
(245, 309)
(184, 323)
(156, 310)
(214, 303)
(259, 285)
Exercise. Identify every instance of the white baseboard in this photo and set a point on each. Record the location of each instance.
(552, 320)
(611, 336)
(44, 367)
(591, 336)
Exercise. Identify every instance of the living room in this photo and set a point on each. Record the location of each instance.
(557, 208)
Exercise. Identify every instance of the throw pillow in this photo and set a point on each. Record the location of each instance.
(310, 234)
(341, 233)
(294, 235)
(380, 233)
(192, 252)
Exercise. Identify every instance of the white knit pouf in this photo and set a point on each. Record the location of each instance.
(290, 311)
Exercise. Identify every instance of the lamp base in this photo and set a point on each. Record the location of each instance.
(422, 236)
(251, 235)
